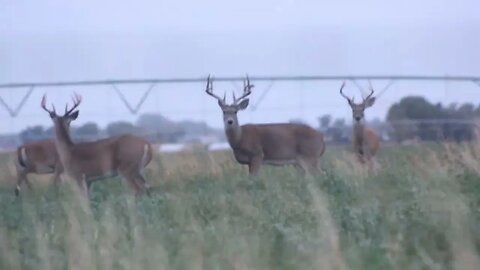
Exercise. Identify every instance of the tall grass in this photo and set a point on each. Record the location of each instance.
(418, 211)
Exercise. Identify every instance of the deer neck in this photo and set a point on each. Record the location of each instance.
(234, 135)
(358, 130)
(63, 142)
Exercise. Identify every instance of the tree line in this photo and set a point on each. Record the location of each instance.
(413, 117)
(430, 121)
(154, 127)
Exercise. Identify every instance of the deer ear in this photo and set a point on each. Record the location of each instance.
(243, 105)
(220, 103)
(74, 115)
(369, 102)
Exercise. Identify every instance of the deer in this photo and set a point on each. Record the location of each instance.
(39, 157)
(365, 140)
(275, 144)
(125, 155)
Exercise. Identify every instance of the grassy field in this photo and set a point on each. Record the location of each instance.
(420, 210)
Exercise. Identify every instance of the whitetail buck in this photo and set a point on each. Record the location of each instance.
(365, 140)
(38, 157)
(272, 144)
(126, 155)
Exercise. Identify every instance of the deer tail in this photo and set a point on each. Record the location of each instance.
(147, 155)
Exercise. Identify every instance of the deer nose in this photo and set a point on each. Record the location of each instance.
(357, 118)
(229, 121)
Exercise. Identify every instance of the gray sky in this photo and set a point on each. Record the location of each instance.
(84, 40)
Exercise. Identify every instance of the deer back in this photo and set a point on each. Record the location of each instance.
(280, 141)
(108, 155)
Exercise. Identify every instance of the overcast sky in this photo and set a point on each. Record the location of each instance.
(56, 40)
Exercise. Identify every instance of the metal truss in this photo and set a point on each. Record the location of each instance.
(134, 110)
(13, 112)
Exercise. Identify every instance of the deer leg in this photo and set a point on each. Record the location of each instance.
(85, 188)
(374, 165)
(140, 182)
(254, 165)
(89, 186)
(126, 171)
(57, 178)
(142, 179)
(300, 169)
(131, 179)
(360, 157)
(29, 184)
(83, 185)
(309, 166)
(367, 153)
(360, 153)
(21, 177)
(143, 183)
(302, 166)
(313, 166)
(135, 185)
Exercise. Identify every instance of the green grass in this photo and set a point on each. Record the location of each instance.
(418, 211)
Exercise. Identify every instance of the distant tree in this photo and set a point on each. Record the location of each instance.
(193, 127)
(120, 127)
(466, 111)
(296, 121)
(404, 115)
(460, 130)
(154, 123)
(89, 128)
(338, 131)
(325, 121)
(339, 122)
(476, 112)
(161, 129)
(32, 134)
(86, 132)
(49, 132)
(414, 108)
(416, 117)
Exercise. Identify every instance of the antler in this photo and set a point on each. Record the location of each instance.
(43, 104)
(371, 90)
(77, 99)
(247, 90)
(350, 100)
(209, 91)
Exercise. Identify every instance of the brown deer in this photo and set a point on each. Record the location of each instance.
(365, 140)
(38, 157)
(272, 144)
(85, 162)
